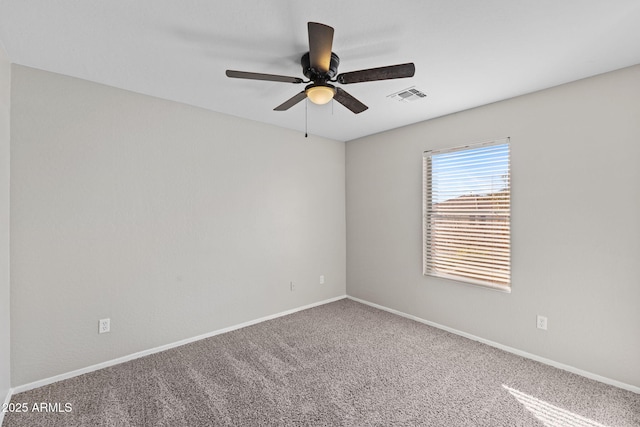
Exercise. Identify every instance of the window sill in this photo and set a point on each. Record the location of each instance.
(470, 282)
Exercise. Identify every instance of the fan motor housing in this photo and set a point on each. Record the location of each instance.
(313, 74)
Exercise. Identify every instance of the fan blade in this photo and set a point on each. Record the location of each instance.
(349, 101)
(399, 71)
(320, 41)
(291, 101)
(259, 76)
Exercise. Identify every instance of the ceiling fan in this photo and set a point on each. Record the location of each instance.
(320, 66)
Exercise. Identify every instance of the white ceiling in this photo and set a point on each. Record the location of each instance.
(467, 52)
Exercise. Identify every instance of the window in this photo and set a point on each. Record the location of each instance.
(467, 214)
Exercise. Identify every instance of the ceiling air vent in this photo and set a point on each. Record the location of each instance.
(409, 94)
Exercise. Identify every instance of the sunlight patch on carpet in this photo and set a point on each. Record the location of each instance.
(550, 415)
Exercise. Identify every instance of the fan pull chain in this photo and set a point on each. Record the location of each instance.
(306, 105)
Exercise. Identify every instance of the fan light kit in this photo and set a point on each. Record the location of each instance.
(320, 94)
(320, 66)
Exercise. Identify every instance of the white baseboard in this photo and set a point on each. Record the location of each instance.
(508, 349)
(51, 380)
(7, 400)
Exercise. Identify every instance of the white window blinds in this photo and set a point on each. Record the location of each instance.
(467, 214)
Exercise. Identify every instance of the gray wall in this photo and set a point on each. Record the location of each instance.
(171, 220)
(174, 222)
(5, 100)
(575, 229)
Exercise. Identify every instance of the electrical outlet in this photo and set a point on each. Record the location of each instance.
(322, 279)
(104, 325)
(292, 286)
(542, 322)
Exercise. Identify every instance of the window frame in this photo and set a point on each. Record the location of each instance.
(427, 213)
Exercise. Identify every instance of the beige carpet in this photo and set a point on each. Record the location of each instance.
(343, 363)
